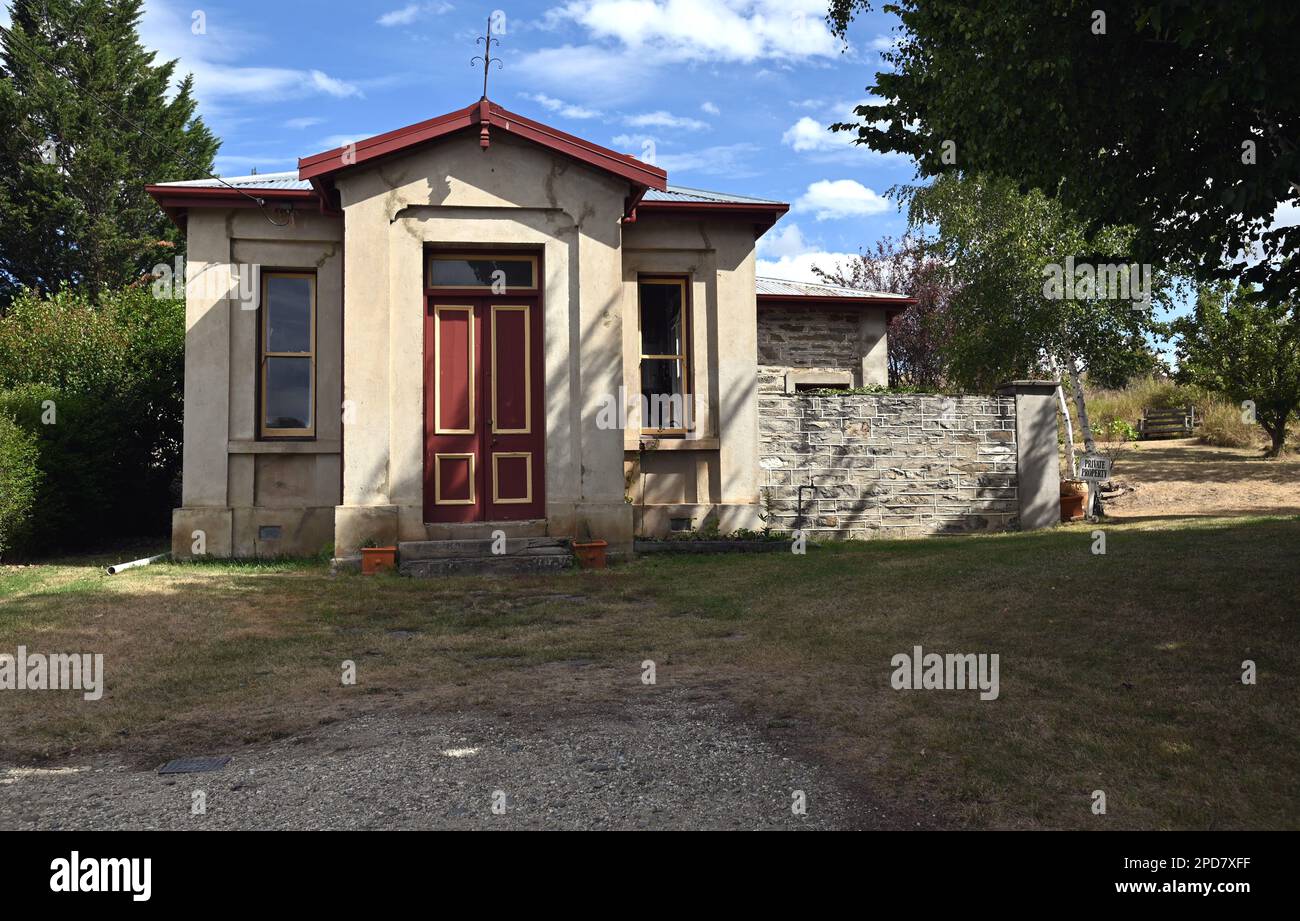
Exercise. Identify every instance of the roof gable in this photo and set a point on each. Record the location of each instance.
(488, 117)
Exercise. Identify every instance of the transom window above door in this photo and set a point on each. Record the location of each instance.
(495, 273)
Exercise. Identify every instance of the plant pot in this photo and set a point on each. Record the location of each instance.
(1074, 487)
(590, 554)
(1072, 507)
(378, 559)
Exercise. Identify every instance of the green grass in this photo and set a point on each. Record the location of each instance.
(1118, 672)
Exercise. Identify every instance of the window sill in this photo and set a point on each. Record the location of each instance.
(654, 443)
(286, 446)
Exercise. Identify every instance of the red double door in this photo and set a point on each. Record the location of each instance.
(484, 444)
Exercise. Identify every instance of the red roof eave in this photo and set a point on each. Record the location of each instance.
(846, 300)
(763, 214)
(328, 163)
(176, 200)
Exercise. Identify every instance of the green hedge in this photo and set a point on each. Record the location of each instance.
(20, 479)
(98, 392)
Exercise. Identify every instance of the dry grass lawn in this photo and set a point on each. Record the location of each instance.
(1119, 672)
(1183, 477)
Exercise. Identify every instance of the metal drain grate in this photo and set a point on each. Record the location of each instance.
(194, 765)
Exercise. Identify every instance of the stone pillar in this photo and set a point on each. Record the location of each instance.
(204, 501)
(873, 341)
(1038, 463)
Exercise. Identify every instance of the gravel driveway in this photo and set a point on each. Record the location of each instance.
(657, 761)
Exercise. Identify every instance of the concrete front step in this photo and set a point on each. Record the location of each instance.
(486, 565)
(483, 530)
(411, 551)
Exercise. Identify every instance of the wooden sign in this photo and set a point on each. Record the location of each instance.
(1095, 467)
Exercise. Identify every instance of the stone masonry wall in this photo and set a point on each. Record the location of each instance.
(888, 465)
(809, 337)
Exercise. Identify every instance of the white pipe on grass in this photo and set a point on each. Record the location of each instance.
(120, 567)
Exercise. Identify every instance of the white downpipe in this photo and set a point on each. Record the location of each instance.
(121, 567)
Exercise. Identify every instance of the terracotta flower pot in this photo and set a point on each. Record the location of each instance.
(590, 554)
(378, 559)
(1072, 507)
(1074, 487)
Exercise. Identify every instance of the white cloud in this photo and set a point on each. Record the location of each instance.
(343, 140)
(403, 17)
(784, 252)
(710, 30)
(730, 160)
(332, 86)
(586, 71)
(212, 59)
(662, 119)
(629, 141)
(813, 137)
(299, 123)
(800, 267)
(410, 13)
(568, 110)
(629, 42)
(783, 241)
(709, 108)
(830, 199)
(808, 134)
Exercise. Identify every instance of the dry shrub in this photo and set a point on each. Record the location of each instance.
(1221, 423)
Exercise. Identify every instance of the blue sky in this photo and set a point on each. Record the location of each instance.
(734, 95)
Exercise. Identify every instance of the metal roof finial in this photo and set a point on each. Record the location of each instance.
(486, 41)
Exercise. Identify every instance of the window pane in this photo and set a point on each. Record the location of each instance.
(661, 319)
(480, 273)
(288, 393)
(663, 394)
(288, 314)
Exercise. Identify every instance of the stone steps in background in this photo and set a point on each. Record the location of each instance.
(423, 559)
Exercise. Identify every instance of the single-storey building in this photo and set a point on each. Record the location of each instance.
(479, 322)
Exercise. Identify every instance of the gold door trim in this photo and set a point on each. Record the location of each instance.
(470, 375)
(528, 474)
(528, 370)
(437, 480)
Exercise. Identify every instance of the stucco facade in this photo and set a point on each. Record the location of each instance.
(241, 496)
(362, 223)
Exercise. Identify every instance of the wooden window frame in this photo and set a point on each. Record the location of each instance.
(432, 256)
(684, 281)
(264, 433)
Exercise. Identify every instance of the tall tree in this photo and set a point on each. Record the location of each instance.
(1033, 294)
(85, 123)
(1236, 343)
(920, 335)
(1180, 119)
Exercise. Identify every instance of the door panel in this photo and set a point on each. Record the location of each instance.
(453, 489)
(453, 335)
(511, 384)
(514, 440)
(484, 438)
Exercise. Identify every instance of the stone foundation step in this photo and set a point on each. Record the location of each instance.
(413, 551)
(483, 530)
(486, 565)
